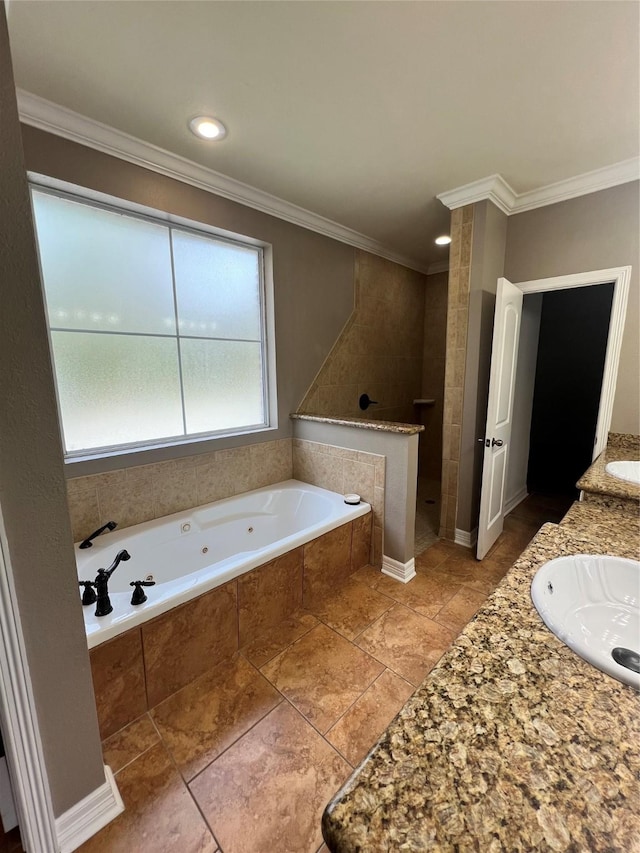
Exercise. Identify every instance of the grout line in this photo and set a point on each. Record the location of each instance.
(192, 779)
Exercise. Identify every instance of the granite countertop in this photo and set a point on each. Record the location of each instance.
(620, 446)
(513, 742)
(360, 423)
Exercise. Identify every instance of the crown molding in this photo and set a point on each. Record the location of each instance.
(496, 189)
(438, 266)
(60, 121)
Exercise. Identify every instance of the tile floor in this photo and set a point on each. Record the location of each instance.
(245, 758)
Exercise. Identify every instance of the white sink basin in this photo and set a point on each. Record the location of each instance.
(592, 603)
(629, 471)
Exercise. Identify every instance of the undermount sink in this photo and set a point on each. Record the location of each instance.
(626, 470)
(592, 604)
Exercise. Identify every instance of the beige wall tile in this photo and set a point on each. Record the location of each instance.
(174, 489)
(84, 512)
(358, 477)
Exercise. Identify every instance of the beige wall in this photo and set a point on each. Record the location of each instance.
(32, 490)
(433, 365)
(379, 352)
(313, 275)
(487, 265)
(592, 232)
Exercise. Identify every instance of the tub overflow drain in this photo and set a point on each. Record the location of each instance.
(249, 529)
(205, 549)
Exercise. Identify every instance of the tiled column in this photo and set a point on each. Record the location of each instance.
(457, 321)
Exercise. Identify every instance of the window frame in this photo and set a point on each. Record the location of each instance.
(113, 204)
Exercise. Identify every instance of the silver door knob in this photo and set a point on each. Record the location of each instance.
(496, 442)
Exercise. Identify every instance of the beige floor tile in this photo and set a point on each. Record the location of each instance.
(461, 609)
(356, 732)
(204, 718)
(159, 817)
(322, 674)
(275, 640)
(122, 747)
(350, 609)
(436, 554)
(483, 575)
(268, 791)
(406, 642)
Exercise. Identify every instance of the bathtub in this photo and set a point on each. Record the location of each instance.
(191, 552)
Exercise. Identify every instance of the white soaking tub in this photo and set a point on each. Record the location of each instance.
(191, 552)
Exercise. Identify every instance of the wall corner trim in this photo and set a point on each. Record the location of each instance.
(494, 188)
(60, 121)
(466, 538)
(399, 571)
(89, 815)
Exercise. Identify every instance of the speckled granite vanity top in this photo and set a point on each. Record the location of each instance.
(620, 446)
(360, 423)
(513, 742)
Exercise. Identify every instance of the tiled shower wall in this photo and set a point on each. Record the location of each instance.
(433, 368)
(379, 352)
(342, 470)
(457, 321)
(133, 495)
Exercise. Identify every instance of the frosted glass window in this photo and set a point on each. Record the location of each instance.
(157, 332)
(222, 384)
(103, 270)
(217, 287)
(116, 389)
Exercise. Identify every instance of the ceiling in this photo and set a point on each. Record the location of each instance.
(361, 112)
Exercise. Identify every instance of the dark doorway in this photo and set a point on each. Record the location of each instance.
(574, 329)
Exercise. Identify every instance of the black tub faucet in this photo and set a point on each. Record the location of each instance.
(101, 586)
(87, 543)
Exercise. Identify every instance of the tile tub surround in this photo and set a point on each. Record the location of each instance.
(143, 666)
(509, 724)
(342, 470)
(216, 729)
(595, 481)
(144, 492)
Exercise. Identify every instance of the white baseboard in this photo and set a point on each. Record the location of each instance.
(513, 502)
(397, 570)
(463, 537)
(88, 816)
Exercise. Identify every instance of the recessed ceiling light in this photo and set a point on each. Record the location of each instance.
(444, 240)
(207, 128)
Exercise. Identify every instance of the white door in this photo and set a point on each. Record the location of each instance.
(497, 436)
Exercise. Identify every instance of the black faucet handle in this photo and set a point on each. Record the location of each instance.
(89, 594)
(139, 596)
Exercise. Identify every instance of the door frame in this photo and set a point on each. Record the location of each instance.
(620, 277)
